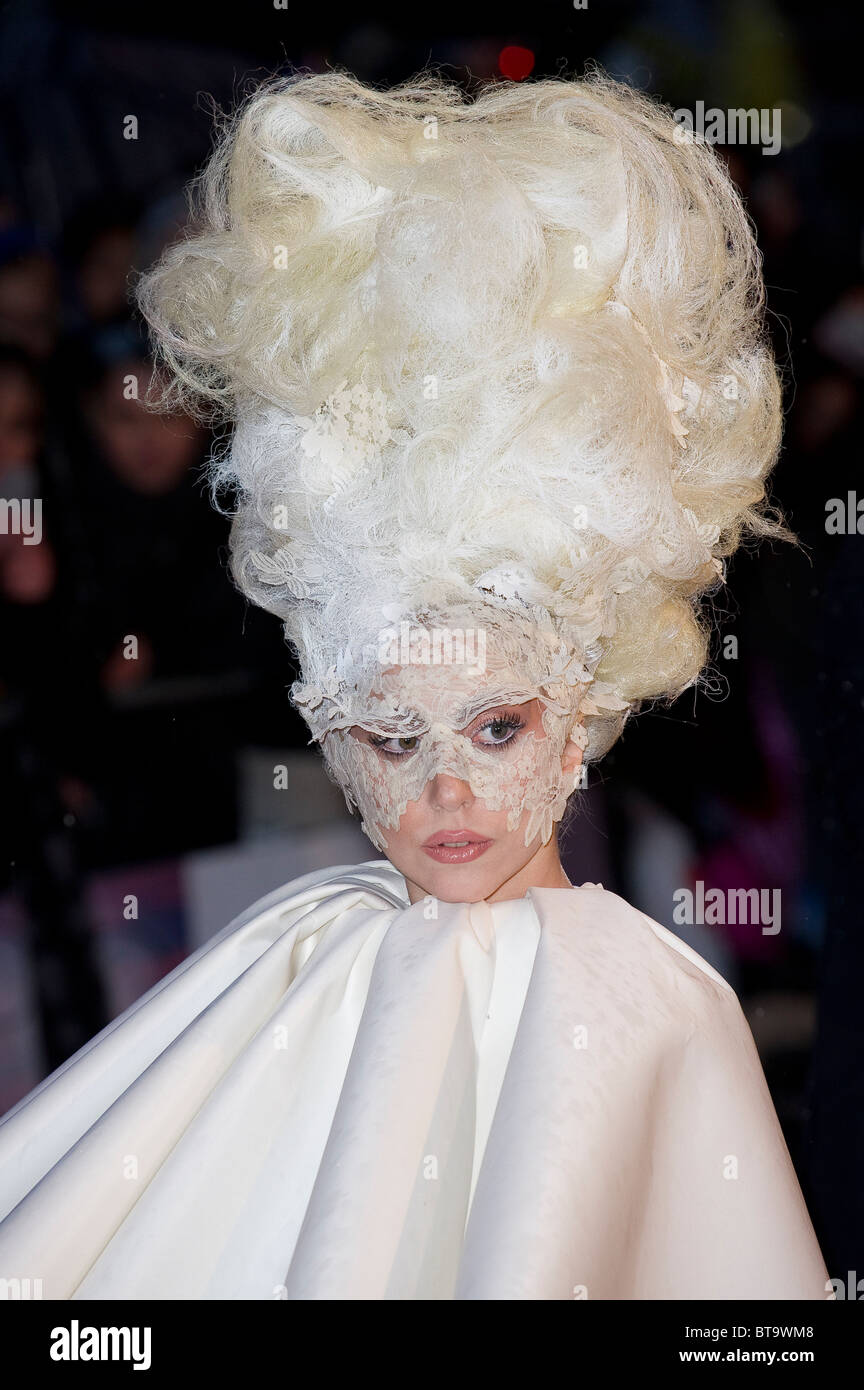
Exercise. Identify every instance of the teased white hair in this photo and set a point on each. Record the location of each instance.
(551, 307)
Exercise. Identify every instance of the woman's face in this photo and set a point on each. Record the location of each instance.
(449, 811)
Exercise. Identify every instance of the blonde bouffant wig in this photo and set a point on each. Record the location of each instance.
(506, 351)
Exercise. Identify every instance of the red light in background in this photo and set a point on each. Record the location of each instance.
(516, 62)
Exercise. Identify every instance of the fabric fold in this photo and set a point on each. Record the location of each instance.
(346, 1096)
(635, 1143)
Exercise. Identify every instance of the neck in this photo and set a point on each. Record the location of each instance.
(543, 870)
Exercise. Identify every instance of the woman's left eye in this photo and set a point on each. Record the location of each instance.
(508, 724)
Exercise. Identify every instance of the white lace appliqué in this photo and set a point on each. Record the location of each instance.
(525, 658)
(348, 428)
(677, 390)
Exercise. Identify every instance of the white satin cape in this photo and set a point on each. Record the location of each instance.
(343, 1096)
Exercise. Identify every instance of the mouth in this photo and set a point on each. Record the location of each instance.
(456, 846)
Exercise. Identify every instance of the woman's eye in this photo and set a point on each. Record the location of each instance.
(401, 750)
(504, 729)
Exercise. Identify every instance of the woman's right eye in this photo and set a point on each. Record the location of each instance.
(381, 744)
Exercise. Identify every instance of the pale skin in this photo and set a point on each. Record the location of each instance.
(508, 868)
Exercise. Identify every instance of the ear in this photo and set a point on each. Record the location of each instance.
(572, 756)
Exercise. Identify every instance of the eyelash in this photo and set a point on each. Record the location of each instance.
(510, 721)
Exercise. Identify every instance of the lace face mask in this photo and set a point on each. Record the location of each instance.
(519, 774)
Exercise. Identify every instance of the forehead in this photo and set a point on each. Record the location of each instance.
(451, 693)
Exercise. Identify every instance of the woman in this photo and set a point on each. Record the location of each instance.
(502, 403)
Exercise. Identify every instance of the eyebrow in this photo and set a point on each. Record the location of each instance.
(467, 713)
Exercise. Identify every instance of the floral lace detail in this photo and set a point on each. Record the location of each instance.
(532, 780)
(527, 650)
(349, 427)
(526, 659)
(677, 390)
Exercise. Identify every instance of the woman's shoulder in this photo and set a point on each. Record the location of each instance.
(659, 939)
(598, 927)
(630, 951)
(277, 931)
(377, 877)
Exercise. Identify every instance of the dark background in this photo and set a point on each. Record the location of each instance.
(118, 774)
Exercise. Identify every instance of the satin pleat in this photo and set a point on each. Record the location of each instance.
(343, 1096)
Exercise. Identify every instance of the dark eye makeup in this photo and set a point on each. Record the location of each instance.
(501, 719)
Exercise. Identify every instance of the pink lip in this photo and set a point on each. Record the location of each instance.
(436, 850)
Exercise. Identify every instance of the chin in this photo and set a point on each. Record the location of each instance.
(458, 883)
(467, 894)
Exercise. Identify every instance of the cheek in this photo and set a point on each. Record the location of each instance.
(414, 816)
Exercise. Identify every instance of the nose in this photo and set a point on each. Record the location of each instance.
(448, 793)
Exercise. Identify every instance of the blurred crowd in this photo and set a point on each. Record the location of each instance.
(124, 665)
(130, 670)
